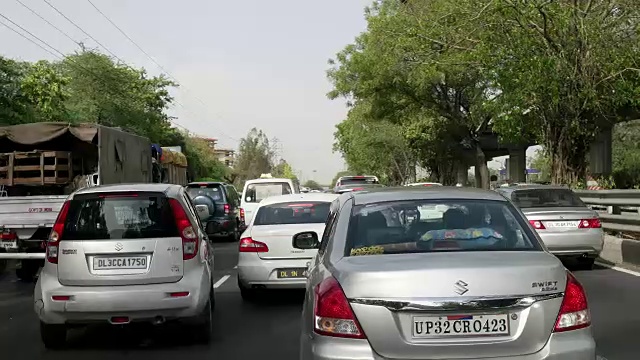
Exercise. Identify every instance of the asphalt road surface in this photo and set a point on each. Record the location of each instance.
(270, 330)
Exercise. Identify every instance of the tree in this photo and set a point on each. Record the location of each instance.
(255, 156)
(313, 185)
(284, 170)
(202, 162)
(541, 162)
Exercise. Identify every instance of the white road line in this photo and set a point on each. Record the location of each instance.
(620, 269)
(221, 281)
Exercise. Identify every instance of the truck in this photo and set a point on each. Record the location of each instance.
(42, 163)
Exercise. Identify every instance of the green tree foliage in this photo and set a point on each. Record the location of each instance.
(312, 185)
(284, 170)
(626, 154)
(541, 162)
(202, 162)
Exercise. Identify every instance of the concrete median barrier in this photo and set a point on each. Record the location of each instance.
(621, 251)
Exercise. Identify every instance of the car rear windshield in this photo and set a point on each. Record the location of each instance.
(214, 191)
(358, 180)
(311, 212)
(465, 225)
(131, 216)
(538, 198)
(257, 192)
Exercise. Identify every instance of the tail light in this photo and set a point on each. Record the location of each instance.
(185, 228)
(590, 224)
(333, 314)
(8, 236)
(56, 234)
(574, 311)
(537, 224)
(248, 245)
(242, 215)
(226, 209)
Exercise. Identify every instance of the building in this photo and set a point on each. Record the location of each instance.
(225, 156)
(211, 142)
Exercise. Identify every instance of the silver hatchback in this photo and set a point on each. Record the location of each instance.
(473, 284)
(125, 253)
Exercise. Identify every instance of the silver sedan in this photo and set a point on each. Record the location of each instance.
(476, 283)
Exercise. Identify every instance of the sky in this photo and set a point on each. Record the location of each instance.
(240, 64)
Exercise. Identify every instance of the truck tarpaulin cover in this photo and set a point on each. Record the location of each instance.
(124, 157)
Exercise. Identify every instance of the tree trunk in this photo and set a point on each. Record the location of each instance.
(568, 161)
(482, 170)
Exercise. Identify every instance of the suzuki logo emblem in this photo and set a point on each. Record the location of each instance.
(461, 287)
(119, 247)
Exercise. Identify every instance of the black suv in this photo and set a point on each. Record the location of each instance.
(222, 203)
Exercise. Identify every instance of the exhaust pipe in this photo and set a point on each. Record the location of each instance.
(159, 320)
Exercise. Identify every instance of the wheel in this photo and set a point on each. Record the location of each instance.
(54, 336)
(235, 234)
(247, 294)
(204, 328)
(586, 263)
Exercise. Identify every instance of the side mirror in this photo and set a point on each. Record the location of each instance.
(306, 240)
(248, 199)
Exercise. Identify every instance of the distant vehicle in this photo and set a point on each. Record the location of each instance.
(218, 205)
(267, 257)
(424, 184)
(566, 225)
(356, 187)
(125, 253)
(257, 190)
(355, 180)
(478, 283)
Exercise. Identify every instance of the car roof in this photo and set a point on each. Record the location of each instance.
(299, 197)
(207, 182)
(421, 193)
(533, 187)
(269, 180)
(150, 187)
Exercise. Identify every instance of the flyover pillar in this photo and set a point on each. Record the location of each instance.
(600, 162)
(462, 174)
(517, 164)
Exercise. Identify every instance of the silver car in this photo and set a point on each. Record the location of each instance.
(567, 226)
(125, 253)
(267, 258)
(477, 284)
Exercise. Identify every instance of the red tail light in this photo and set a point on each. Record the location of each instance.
(252, 246)
(574, 311)
(56, 234)
(590, 224)
(537, 224)
(226, 209)
(358, 189)
(9, 236)
(242, 215)
(187, 233)
(333, 314)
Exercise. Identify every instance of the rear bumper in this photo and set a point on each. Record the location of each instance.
(589, 242)
(95, 304)
(572, 345)
(254, 271)
(220, 226)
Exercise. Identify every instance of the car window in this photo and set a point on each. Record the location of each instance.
(357, 180)
(309, 212)
(191, 209)
(214, 191)
(532, 198)
(257, 192)
(233, 195)
(101, 217)
(465, 225)
(330, 225)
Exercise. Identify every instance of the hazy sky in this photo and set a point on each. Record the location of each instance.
(242, 64)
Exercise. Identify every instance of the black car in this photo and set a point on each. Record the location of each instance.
(221, 205)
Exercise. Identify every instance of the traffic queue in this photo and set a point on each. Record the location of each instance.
(422, 271)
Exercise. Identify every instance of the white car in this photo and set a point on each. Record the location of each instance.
(267, 258)
(256, 190)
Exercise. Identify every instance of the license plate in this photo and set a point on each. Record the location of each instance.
(460, 325)
(9, 244)
(120, 262)
(561, 224)
(291, 273)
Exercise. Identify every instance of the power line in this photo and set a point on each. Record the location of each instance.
(151, 58)
(28, 39)
(48, 22)
(86, 33)
(28, 32)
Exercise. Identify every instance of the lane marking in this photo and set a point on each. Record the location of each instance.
(221, 281)
(617, 268)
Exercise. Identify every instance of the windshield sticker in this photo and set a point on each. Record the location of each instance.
(367, 250)
(461, 234)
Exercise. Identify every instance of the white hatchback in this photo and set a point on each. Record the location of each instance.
(267, 258)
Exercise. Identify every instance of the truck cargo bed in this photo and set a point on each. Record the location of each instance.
(36, 168)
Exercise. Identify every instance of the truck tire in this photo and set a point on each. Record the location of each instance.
(53, 336)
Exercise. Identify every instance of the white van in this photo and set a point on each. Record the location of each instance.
(257, 190)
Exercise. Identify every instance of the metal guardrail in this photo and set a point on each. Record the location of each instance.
(619, 209)
(22, 256)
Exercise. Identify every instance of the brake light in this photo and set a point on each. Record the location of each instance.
(226, 209)
(538, 225)
(104, 196)
(242, 215)
(185, 228)
(357, 189)
(590, 224)
(333, 314)
(9, 236)
(56, 234)
(574, 311)
(252, 246)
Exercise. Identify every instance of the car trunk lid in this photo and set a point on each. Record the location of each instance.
(279, 239)
(559, 219)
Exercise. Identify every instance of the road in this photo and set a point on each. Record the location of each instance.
(270, 330)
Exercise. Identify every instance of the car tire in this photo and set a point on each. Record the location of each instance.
(204, 328)
(247, 294)
(235, 234)
(53, 336)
